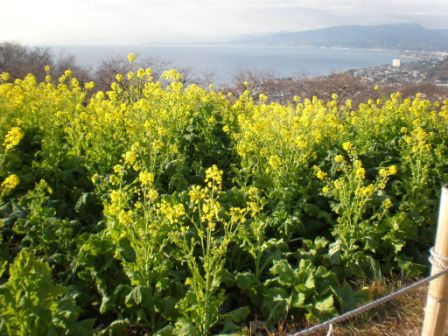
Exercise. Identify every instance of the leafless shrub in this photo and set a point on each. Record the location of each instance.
(110, 67)
(19, 60)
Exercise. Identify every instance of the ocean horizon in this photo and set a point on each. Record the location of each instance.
(221, 63)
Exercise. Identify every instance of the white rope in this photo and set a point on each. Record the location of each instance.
(435, 259)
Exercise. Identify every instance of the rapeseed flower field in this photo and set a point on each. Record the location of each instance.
(160, 208)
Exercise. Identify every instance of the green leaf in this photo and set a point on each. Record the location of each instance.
(335, 253)
(140, 295)
(116, 328)
(185, 328)
(326, 305)
(167, 307)
(126, 250)
(237, 315)
(275, 304)
(323, 309)
(106, 304)
(283, 270)
(245, 280)
(83, 328)
(298, 300)
(167, 330)
(310, 283)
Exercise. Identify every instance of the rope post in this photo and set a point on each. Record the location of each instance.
(437, 300)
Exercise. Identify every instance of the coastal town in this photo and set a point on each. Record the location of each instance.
(432, 68)
(426, 73)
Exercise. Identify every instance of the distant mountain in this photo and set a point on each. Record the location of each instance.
(404, 36)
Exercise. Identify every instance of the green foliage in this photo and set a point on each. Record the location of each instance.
(306, 288)
(165, 209)
(31, 304)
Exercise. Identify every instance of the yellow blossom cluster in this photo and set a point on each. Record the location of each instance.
(10, 183)
(213, 177)
(360, 169)
(146, 178)
(13, 138)
(172, 213)
(197, 194)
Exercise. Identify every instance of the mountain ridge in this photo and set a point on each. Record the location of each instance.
(403, 36)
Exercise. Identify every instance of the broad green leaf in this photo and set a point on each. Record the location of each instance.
(238, 314)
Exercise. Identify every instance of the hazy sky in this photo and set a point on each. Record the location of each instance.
(71, 22)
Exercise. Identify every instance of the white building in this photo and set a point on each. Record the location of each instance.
(396, 63)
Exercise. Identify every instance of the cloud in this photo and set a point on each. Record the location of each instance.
(137, 21)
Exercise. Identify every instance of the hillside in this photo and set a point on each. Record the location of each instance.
(406, 36)
(166, 209)
(440, 72)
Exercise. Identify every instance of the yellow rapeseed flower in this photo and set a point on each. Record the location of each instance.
(320, 174)
(75, 82)
(211, 121)
(384, 172)
(338, 184)
(114, 180)
(393, 170)
(10, 183)
(125, 217)
(213, 177)
(5, 76)
(13, 138)
(89, 85)
(141, 73)
(361, 172)
(368, 190)
(347, 146)
(146, 178)
(131, 57)
(173, 149)
(130, 157)
(171, 75)
(196, 194)
(173, 213)
(237, 215)
(157, 144)
(118, 169)
(387, 203)
(274, 161)
(152, 195)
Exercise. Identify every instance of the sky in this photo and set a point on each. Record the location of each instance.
(105, 22)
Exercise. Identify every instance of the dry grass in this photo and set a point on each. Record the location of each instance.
(400, 317)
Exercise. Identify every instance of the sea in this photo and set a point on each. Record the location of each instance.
(223, 63)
